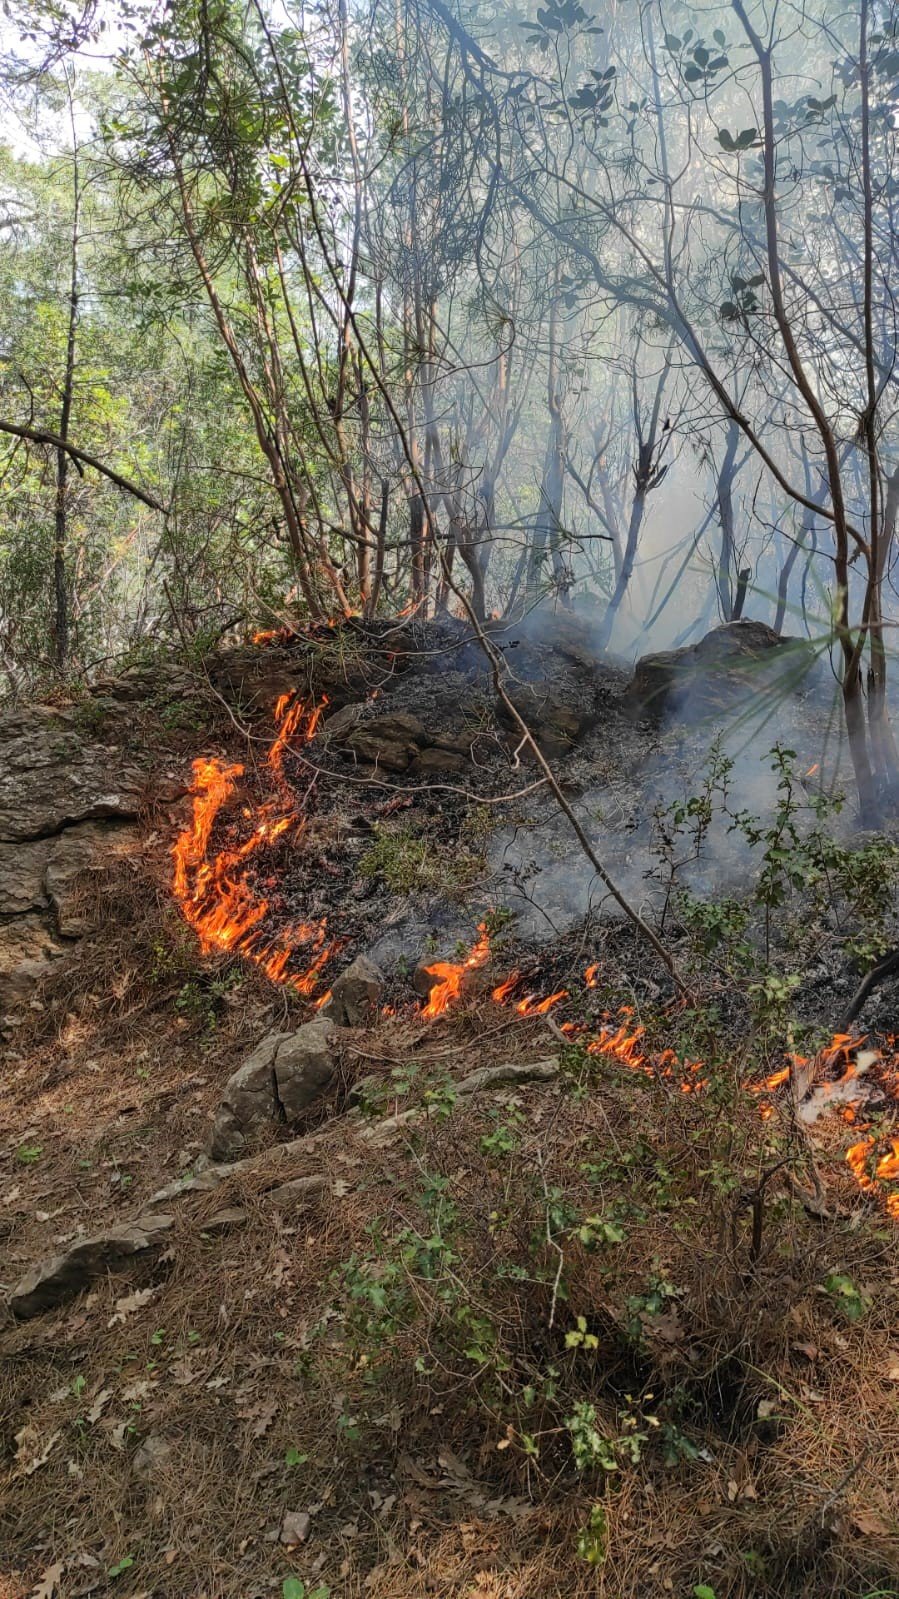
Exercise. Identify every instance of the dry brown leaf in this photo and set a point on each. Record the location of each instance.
(136, 1390)
(49, 1581)
(261, 1417)
(131, 1302)
(31, 1454)
(810, 1351)
(99, 1404)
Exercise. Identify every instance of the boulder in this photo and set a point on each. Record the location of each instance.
(304, 1066)
(390, 742)
(22, 871)
(437, 762)
(705, 678)
(29, 950)
(65, 807)
(285, 1073)
(355, 993)
(248, 1104)
(53, 1281)
(556, 717)
(51, 776)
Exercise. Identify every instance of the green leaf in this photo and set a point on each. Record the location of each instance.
(294, 1458)
(703, 1591)
(125, 1564)
(293, 1588)
(672, 42)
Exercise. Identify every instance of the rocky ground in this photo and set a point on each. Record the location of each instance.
(303, 1301)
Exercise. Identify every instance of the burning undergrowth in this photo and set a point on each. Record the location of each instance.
(272, 870)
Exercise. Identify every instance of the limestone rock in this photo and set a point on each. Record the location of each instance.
(355, 993)
(50, 777)
(58, 1279)
(304, 1066)
(22, 871)
(556, 717)
(248, 1103)
(28, 951)
(284, 1074)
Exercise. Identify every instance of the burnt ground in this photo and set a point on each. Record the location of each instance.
(387, 1360)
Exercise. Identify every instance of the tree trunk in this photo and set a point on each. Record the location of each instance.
(60, 524)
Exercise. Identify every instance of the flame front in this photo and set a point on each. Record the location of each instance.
(215, 890)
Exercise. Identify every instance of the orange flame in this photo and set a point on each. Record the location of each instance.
(215, 893)
(450, 976)
(529, 1006)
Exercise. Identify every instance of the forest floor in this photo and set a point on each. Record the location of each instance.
(618, 1324)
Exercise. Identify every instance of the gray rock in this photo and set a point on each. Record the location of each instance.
(249, 1102)
(225, 1220)
(52, 1281)
(304, 1066)
(708, 677)
(437, 762)
(486, 1077)
(284, 1075)
(355, 993)
(51, 777)
(295, 1527)
(22, 869)
(28, 951)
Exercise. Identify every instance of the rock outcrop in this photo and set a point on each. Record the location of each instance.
(67, 802)
(705, 678)
(60, 1278)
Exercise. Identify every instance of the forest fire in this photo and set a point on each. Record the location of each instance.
(218, 895)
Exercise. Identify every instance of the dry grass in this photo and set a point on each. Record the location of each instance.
(275, 1387)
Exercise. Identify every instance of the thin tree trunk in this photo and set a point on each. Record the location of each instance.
(60, 523)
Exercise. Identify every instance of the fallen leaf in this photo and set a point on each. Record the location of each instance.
(49, 1581)
(99, 1404)
(31, 1454)
(260, 1416)
(136, 1390)
(810, 1351)
(129, 1303)
(870, 1523)
(893, 1368)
